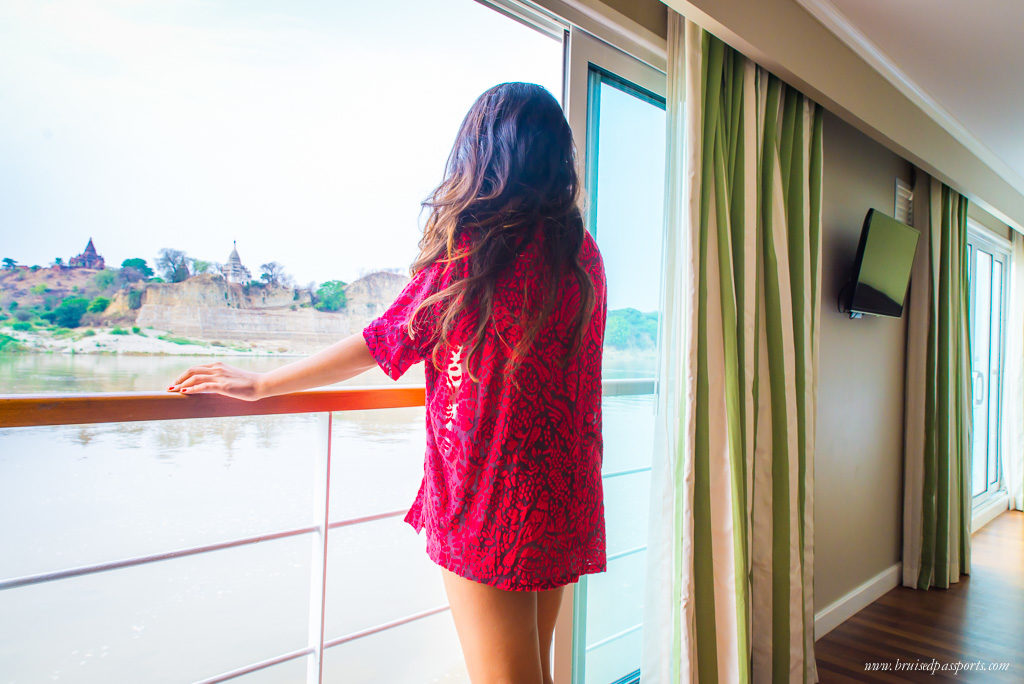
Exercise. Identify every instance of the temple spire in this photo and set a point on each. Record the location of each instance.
(234, 271)
(88, 258)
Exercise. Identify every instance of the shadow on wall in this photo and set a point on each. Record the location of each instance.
(858, 459)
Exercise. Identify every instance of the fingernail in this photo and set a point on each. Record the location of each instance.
(184, 389)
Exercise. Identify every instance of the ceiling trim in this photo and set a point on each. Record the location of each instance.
(611, 26)
(849, 86)
(836, 22)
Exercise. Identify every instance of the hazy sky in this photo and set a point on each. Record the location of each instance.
(630, 197)
(308, 131)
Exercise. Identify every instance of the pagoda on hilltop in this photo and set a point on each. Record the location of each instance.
(87, 259)
(234, 271)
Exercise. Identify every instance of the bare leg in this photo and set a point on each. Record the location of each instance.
(497, 630)
(548, 603)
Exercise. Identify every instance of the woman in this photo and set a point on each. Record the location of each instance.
(507, 306)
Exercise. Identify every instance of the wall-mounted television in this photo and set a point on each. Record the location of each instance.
(881, 272)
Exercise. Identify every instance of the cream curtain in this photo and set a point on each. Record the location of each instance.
(937, 430)
(669, 635)
(729, 591)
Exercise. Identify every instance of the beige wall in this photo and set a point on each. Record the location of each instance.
(651, 14)
(858, 478)
(988, 221)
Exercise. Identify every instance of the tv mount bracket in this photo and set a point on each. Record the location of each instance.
(843, 304)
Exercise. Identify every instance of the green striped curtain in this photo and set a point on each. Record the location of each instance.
(730, 549)
(746, 481)
(937, 483)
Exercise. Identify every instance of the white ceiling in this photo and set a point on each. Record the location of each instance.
(963, 62)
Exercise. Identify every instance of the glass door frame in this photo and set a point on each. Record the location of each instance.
(644, 69)
(999, 249)
(588, 61)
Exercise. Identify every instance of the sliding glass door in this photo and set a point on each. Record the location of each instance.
(617, 108)
(988, 290)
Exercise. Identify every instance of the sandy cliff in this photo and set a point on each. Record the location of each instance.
(207, 307)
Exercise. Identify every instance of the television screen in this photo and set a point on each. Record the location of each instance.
(882, 270)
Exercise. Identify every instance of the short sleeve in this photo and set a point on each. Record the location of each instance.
(387, 336)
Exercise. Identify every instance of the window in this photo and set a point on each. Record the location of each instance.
(280, 156)
(282, 148)
(308, 132)
(624, 133)
(989, 276)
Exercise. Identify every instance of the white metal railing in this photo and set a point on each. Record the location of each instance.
(23, 410)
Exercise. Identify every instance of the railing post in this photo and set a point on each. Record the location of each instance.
(318, 561)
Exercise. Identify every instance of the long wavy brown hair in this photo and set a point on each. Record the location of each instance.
(512, 169)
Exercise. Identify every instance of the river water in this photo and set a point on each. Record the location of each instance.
(84, 494)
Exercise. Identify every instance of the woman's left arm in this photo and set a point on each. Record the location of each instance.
(340, 361)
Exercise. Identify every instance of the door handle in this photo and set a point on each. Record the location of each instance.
(979, 395)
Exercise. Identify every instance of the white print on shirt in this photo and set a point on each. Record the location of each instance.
(454, 379)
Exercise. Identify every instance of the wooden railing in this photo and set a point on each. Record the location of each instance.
(25, 410)
(22, 410)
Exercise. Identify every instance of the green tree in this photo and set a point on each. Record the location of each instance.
(98, 305)
(273, 274)
(69, 313)
(174, 263)
(58, 262)
(9, 263)
(104, 279)
(139, 265)
(200, 266)
(631, 329)
(330, 296)
(39, 288)
(253, 285)
(129, 274)
(134, 299)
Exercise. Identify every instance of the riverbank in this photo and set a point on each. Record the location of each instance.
(136, 341)
(133, 341)
(84, 311)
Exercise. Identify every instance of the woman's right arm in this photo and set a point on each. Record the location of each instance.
(340, 361)
(393, 350)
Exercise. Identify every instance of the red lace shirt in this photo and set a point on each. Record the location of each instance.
(511, 493)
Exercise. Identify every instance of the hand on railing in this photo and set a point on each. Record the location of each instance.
(342, 360)
(219, 378)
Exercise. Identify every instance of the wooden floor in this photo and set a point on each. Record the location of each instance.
(981, 617)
